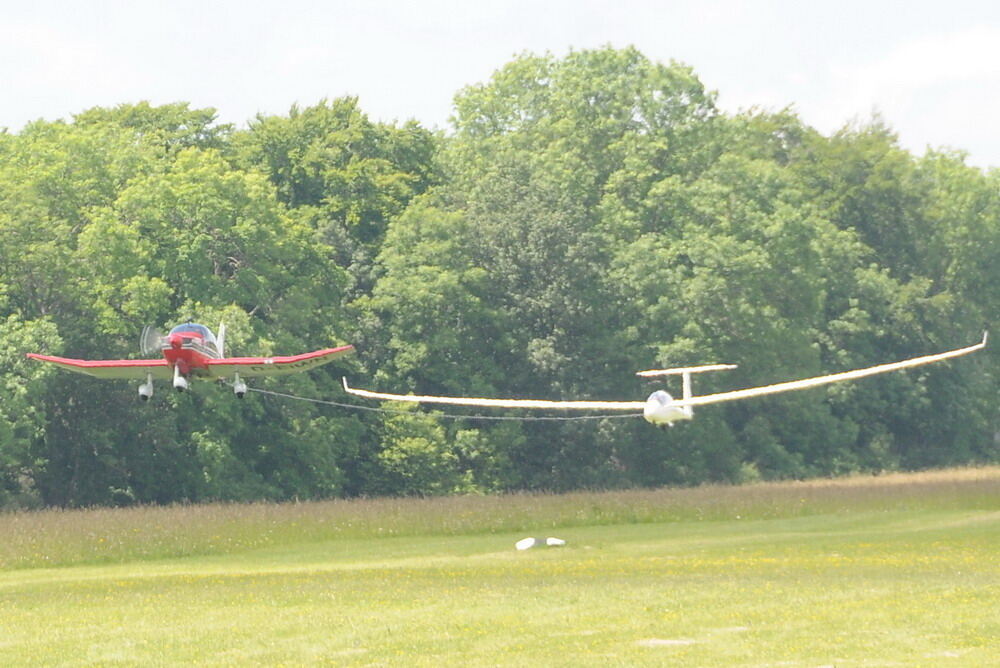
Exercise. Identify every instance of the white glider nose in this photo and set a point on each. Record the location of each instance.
(659, 409)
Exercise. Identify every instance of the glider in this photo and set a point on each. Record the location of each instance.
(660, 408)
(191, 351)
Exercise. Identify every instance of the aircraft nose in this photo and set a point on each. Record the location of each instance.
(175, 341)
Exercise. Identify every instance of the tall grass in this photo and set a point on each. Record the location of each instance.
(32, 539)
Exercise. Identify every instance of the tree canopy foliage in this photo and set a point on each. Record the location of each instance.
(585, 217)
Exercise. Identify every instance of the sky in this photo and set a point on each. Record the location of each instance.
(931, 69)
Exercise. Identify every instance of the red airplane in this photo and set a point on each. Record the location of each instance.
(191, 351)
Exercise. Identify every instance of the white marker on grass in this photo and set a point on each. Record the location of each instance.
(528, 543)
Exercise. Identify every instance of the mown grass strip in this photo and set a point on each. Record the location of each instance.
(860, 587)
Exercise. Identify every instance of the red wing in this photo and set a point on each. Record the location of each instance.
(132, 369)
(250, 367)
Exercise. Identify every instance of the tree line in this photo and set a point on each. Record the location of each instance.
(584, 217)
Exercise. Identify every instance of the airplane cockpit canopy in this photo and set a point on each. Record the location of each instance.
(204, 332)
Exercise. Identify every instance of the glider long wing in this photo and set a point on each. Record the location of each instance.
(763, 390)
(817, 381)
(501, 403)
(110, 369)
(251, 367)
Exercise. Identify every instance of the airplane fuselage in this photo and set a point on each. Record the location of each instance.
(189, 347)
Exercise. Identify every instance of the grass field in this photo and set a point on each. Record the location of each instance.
(892, 570)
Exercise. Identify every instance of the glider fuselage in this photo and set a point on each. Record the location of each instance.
(663, 411)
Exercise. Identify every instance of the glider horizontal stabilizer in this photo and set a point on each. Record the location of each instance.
(685, 369)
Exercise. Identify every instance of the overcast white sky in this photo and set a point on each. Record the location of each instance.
(932, 69)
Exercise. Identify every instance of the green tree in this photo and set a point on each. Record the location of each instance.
(22, 418)
(172, 127)
(346, 175)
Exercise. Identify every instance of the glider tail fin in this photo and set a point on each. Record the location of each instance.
(221, 339)
(685, 374)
